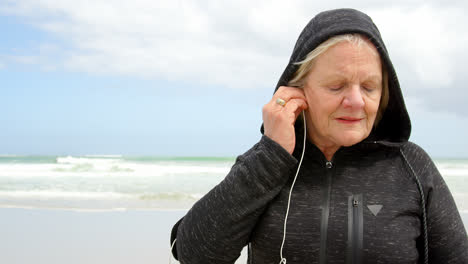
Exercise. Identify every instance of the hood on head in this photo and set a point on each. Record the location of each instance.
(395, 125)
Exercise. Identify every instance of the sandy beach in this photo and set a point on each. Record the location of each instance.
(45, 236)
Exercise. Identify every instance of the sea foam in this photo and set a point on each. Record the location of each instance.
(105, 182)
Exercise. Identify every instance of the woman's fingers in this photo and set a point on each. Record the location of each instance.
(279, 119)
(296, 106)
(287, 93)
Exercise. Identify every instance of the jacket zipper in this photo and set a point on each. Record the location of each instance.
(325, 213)
(355, 229)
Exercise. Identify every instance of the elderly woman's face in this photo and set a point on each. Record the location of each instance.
(343, 91)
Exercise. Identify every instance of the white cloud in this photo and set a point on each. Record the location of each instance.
(425, 41)
(427, 44)
(243, 43)
(172, 39)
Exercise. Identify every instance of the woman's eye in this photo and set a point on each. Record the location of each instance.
(335, 88)
(369, 87)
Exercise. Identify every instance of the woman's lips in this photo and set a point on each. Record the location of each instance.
(349, 120)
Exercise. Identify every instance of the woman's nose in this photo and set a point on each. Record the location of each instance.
(353, 97)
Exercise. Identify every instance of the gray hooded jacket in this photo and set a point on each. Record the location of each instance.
(379, 201)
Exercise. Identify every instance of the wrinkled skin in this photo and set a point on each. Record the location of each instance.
(341, 97)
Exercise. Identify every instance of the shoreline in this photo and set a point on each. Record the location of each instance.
(97, 210)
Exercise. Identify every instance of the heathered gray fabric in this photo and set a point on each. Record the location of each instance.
(250, 203)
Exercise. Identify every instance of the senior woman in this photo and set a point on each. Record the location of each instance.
(339, 183)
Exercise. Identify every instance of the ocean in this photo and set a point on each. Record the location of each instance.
(115, 182)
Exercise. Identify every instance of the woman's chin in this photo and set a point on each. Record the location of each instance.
(349, 139)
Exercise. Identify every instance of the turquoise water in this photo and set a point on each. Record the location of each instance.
(115, 182)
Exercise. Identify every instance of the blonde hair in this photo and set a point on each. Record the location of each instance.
(300, 75)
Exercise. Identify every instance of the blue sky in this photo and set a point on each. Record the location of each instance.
(187, 78)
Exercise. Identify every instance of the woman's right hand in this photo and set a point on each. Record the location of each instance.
(278, 120)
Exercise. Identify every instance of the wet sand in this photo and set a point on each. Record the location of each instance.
(43, 236)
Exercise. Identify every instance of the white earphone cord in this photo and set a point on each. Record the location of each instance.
(283, 260)
(170, 252)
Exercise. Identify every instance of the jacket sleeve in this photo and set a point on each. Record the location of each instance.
(218, 226)
(448, 241)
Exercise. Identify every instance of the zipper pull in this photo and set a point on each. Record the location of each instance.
(355, 202)
(329, 164)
